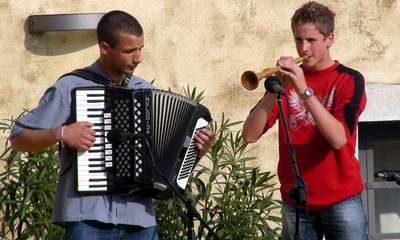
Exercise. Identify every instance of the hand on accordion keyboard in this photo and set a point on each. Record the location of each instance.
(79, 135)
(204, 140)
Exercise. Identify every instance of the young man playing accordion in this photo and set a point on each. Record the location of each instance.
(120, 40)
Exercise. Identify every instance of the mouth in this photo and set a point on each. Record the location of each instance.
(131, 68)
(308, 58)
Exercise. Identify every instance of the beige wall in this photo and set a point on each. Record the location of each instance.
(207, 44)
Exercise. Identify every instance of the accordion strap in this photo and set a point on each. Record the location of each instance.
(88, 75)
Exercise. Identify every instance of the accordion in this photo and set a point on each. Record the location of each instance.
(144, 139)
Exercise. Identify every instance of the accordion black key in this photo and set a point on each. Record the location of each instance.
(137, 132)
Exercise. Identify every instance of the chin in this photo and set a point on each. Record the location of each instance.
(308, 65)
(129, 71)
(310, 61)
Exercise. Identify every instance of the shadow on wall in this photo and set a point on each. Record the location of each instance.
(53, 43)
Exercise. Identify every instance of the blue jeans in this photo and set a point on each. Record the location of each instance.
(95, 230)
(343, 221)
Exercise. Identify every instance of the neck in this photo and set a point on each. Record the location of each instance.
(115, 77)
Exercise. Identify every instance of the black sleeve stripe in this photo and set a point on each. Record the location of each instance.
(351, 109)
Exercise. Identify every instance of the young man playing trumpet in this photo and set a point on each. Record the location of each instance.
(324, 101)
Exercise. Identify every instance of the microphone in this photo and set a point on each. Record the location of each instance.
(116, 135)
(273, 85)
(390, 176)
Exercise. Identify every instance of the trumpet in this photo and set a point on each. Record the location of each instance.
(251, 79)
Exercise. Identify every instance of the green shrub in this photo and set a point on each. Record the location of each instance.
(27, 192)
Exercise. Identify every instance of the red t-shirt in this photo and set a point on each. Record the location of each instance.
(330, 175)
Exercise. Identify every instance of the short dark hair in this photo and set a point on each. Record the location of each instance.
(115, 22)
(314, 12)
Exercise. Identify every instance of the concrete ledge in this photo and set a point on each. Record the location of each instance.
(383, 103)
(63, 22)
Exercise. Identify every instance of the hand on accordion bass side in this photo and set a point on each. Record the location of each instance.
(78, 135)
(204, 140)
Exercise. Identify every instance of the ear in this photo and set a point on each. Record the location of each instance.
(330, 39)
(104, 48)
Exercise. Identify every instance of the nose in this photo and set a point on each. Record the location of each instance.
(304, 46)
(137, 57)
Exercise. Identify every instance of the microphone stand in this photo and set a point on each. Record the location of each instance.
(191, 212)
(298, 192)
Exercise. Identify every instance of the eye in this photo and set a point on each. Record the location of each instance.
(298, 40)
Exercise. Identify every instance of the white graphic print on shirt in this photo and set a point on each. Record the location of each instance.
(299, 115)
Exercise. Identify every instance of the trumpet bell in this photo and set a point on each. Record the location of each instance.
(249, 80)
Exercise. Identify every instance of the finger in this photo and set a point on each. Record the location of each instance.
(203, 141)
(86, 143)
(285, 60)
(289, 75)
(205, 137)
(83, 148)
(207, 132)
(287, 65)
(199, 139)
(204, 146)
(86, 124)
(201, 150)
(199, 147)
(90, 132)
(89, 137)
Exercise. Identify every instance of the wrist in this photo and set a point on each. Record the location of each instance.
(60, 135)
(307, 93)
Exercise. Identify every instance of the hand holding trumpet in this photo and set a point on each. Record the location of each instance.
(251, 79)
(291, 73)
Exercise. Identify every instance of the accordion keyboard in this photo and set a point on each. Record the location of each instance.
(91, 174)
